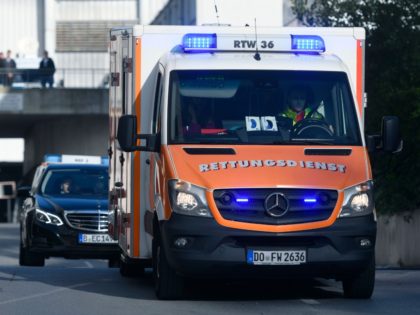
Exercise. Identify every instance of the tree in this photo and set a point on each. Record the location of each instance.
(392, 83)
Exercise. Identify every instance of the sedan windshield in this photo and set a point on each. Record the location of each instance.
(76, 183)
(261, 107)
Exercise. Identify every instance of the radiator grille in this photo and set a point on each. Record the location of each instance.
(254, 209)
(96, 221)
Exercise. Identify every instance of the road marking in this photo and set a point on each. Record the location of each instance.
(310, 301)
(45, 293)
(88, 264)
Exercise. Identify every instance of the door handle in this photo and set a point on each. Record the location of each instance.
(148, 161)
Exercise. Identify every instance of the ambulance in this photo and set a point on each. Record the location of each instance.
(238, 152)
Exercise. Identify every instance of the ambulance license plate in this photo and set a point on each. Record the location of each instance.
(276, 257)
(96, 239)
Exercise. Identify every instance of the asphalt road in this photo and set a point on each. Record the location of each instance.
(90, 287)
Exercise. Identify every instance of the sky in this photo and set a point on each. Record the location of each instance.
(11, 150)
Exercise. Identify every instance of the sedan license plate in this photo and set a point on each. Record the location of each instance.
(96, 239)
(276, 257)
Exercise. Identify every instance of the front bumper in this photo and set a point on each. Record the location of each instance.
(214, 250)
(63, 241)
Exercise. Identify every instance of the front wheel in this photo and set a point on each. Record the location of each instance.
(362, 285)
(168, 285)
(130, 270)
(26, 258)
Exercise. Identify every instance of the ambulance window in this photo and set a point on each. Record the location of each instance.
(261, 107)
(344, 113)
(156, 106)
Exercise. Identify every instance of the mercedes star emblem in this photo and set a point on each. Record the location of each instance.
(276, 205)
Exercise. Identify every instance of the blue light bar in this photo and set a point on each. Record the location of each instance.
(308, 43)
(199, 41)
(52, 158)
(242, 199)
(309, 200)
(104, 160)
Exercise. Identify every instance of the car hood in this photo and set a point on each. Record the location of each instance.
(58, 204)
(258, 166)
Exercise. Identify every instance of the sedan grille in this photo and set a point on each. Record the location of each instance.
(96, 221)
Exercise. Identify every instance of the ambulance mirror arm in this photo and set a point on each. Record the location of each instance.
(127, 136)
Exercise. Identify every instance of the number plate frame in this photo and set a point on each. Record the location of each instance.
(276, 257)
(95, 239)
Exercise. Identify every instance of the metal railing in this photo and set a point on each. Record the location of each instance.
(63, 78)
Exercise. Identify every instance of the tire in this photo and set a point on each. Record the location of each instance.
(168, 285)
(130, 270)
(362, 285)
(113, 263)
(27, 258)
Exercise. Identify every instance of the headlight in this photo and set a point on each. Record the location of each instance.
(358, 200)
(48, 218)
(188, 199)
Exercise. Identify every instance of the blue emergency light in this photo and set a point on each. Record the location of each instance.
(242, 200)
(199, 41)
(52, 158)
(104, 160)
(310, 200)
(308, 43)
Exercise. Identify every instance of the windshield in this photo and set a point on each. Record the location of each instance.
(261, 107)
(76, 183)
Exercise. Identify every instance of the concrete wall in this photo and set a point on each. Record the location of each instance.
(56, 121)
(53, 101)
(87, 134)
(398, 240)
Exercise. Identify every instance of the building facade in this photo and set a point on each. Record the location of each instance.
(74, 32)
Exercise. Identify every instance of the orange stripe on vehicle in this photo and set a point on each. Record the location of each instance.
(359, 76)
(152, 186)
(136, 206)
(274, 228)
(167, 173)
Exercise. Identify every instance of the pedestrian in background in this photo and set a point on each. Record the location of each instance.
(2, 66)
(47, 69)
(10, 66)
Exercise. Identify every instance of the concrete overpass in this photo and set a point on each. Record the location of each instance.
(62, 121)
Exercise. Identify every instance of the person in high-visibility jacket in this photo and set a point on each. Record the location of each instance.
(299, 109)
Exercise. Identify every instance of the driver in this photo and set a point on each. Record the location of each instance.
(66, 186)
(299, 109)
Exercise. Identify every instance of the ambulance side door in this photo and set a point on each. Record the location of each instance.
(153, 158)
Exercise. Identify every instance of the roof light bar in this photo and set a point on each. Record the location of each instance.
(76, 159)
(199, 42)
(308, 43)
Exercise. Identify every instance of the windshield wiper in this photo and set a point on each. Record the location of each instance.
(314, 141)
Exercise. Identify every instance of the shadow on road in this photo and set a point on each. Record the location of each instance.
(95, 277)
(101, 280)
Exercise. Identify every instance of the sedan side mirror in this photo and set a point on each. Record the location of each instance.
(24, 191)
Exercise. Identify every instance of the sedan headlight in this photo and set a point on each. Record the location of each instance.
(188, 199)
(47, 217)
(358, 200)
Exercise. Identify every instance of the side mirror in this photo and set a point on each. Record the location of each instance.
(127, 136)
(127, 131)
(391, 137)
(23, 191)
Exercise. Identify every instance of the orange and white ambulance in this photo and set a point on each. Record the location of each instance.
(241, 153)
